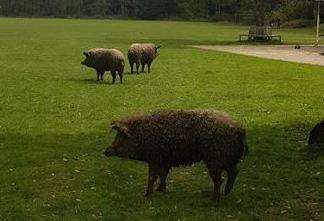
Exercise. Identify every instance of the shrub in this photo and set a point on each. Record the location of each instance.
(298, 23)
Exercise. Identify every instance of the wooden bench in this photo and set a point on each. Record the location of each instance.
(260, 33)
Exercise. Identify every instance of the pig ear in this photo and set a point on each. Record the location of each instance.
(120, 129)
(86, 54)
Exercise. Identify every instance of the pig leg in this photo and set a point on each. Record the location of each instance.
(98, 75)
(215, 175)
(113, 74)
(120, 77)
(152, 177)
(101, 75)
(132, 67)
(120, 74)
(149, 67)
(232, 173)
(137, 67)
(163, 177)
(143, 67)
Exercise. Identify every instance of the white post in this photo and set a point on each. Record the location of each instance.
(318, 24)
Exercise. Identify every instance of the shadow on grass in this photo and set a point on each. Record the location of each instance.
(279, 137)
(94, 81)
(135, 74)
(300, 135)
(277, 146)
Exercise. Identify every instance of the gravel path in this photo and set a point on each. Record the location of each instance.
(306, 54)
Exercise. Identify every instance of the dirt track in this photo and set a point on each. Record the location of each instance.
(306, 54)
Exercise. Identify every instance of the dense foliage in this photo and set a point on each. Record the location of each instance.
(231, 10)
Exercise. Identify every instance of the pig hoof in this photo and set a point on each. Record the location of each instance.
(216, 198)
(161, 189)
(147, 194)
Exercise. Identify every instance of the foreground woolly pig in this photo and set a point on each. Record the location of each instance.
(171, 138)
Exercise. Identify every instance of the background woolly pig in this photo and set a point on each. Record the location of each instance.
(142, 54)
(103, 60)
(171, 138)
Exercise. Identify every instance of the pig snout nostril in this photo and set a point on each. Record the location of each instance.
(108, 152)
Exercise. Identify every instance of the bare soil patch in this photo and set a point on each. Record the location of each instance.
(306, 54)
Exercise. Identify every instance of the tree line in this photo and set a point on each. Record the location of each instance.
(230, 10)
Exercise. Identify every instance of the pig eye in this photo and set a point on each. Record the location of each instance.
(121, 134)
(120, 130)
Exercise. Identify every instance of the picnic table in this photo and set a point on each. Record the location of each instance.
(260, 33)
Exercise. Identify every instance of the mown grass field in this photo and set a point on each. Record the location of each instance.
(54, 123)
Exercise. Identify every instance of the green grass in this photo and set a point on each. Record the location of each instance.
(54, 120)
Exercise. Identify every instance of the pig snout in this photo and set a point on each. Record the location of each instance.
(108, 152)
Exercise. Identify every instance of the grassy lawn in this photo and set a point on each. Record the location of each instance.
(54, 120)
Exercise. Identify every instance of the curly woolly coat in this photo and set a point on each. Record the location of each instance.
(103, 60)
(172, 138)
(142, 54)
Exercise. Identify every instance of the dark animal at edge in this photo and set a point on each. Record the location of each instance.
(316, 136)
